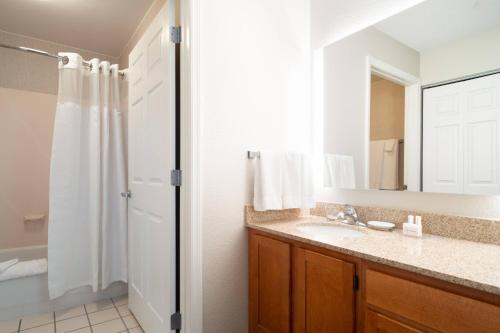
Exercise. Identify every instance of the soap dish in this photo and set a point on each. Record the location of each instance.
(379, 225)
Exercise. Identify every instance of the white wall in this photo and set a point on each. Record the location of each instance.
(345, 90)
(470, 55)
(254, 94)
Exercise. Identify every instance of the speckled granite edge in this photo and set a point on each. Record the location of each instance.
(253, 216)
(466, 228)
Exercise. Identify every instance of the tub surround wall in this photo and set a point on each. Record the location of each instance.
(28, 98)
(26, 124)
(465, 228)
(25, 71)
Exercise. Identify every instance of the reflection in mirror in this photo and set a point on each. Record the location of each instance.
(412, 102)
(387, 112)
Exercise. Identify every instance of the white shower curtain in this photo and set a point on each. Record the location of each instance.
(87, 241)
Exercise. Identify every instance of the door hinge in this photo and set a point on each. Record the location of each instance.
(355, 282)
(176, 177)
(176, 34)
(176, 321)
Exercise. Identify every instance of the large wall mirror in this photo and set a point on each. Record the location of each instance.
(412, 103)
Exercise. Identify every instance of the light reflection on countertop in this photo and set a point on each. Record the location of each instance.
(471, 264)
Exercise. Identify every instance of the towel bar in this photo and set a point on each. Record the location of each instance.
(253, 154)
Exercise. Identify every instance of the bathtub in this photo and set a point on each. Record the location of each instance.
(30, 295)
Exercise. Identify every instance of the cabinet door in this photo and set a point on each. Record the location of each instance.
(269, 285)
(377, 323)
(323, 293)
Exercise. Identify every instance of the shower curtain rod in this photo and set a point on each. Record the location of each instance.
(63, 59)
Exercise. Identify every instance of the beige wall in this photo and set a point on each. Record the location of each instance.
(387, 110)
(470, 55)
(26, 123)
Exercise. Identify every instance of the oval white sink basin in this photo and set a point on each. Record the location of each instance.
(329, 232)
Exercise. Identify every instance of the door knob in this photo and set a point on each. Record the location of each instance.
(126, 195)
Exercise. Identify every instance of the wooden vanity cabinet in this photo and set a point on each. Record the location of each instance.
(300, 288)
(323, 293)
(378, 323)
(283, 279)
(421, 305)
(269, 285)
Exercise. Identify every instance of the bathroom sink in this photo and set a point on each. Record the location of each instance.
(325, 231)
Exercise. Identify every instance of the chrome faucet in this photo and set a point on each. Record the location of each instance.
(349, 215)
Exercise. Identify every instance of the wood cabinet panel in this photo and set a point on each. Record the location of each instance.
(270, 281)
(378, 323)
(431, 307)
(323, 293)
(296, 287)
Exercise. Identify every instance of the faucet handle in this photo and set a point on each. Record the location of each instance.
(350, 210)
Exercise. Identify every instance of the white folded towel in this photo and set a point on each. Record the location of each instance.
(390, 170)
(268, 181)
(4, 265)
(339, 171)
(389, 145)
(24, 269)
(298, 181)
(282, 181)
(384, 164)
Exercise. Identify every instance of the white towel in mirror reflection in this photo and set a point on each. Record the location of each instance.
(384, 164)
(339, 171)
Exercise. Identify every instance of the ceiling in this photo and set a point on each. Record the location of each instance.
(102, 26)
(435, 22)
(333, 20)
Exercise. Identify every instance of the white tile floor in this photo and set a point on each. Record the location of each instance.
(106, 316)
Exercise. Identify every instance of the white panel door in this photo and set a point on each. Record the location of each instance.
(442, 145)
(151, 211)
(461, 141)
(481, 149)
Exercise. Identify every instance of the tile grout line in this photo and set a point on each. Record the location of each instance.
(115, 306)
(88, 319)
(106, 321)
(19, 330)
(120, 315)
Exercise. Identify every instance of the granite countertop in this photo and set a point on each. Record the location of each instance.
(471, 264)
